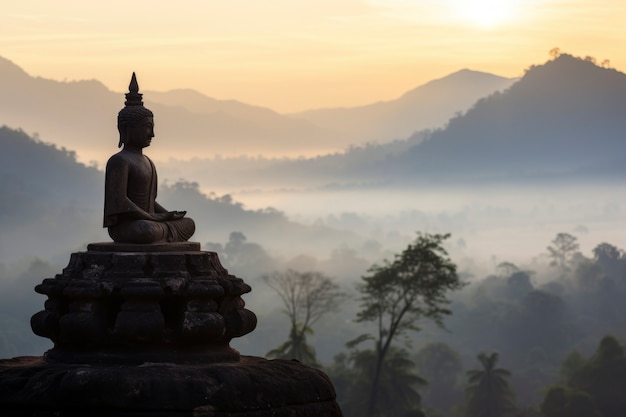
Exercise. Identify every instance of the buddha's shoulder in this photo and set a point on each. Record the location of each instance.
(122, 158)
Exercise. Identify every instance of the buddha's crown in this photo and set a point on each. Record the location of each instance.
(133, 97)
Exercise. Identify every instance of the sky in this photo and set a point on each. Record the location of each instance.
(294, 55)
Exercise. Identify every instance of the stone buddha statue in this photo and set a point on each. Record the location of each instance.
(131, 212)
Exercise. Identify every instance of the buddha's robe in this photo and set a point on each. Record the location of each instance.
(131, 212)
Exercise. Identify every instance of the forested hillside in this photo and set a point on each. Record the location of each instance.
(561, 122)
(563, 118)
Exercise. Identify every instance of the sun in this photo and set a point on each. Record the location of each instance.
(484, 14)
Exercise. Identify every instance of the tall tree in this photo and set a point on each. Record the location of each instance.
(398, 294)
(562, 250)
(489, 393)
(611, 259)
(306, 296)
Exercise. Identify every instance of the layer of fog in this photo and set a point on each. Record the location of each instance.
(488, 224)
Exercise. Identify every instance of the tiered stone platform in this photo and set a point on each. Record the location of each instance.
(144, 330)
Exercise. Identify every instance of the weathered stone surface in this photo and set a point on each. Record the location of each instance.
(252, 387)
(149, 247)
(132, 307)
(146, 334)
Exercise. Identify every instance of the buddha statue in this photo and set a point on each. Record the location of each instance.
(131, 212)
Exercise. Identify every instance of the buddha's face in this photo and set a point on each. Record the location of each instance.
(140, 135)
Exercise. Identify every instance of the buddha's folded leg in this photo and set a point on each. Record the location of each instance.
(139, 231)
(180, 230)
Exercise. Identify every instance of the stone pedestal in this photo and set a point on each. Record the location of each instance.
(144, 330)
(250, 387)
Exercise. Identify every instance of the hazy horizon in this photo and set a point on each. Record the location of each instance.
(297, 56)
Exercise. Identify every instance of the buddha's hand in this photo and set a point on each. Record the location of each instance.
(177, 214)
(170, 215)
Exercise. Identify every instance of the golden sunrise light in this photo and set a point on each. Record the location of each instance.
(486, 14)
(291, 56)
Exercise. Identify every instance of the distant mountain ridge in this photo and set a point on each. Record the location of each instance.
(565, 116)
(563, 120)
(81, 116)
(51, 205)
(428, 106)
(45, 195)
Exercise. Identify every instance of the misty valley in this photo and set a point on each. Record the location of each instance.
(527, 180)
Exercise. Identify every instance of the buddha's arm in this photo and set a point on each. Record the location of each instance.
(117, 205)
(159, 208)
(168, 215)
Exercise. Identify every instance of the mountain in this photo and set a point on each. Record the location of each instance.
(52, 205)
(426, 107)
(563, 120)
(81, 115)
(565, 117)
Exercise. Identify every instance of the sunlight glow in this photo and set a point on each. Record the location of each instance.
(485, 14)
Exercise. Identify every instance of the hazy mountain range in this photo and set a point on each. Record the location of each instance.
(81, 116)
(51, 204)
(428, 106)
(566, 117)
(563, 120)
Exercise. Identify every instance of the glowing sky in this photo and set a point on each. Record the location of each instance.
(292, 55)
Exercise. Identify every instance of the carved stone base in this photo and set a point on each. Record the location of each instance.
(157, 304)
(252, 387)
(144, 331)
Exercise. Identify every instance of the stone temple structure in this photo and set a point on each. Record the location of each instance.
(141, 325)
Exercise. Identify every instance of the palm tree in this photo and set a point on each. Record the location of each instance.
(296, 347)
(489, 393)
(397, 389)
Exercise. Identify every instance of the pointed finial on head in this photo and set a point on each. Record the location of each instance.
(133, 97)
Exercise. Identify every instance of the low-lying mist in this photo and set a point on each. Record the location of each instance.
(488, 224)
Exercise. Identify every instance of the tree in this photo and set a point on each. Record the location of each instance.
(563, 248)
(489, 393)
(572, 364)
(591, 387)
(606, 252)
(243, 257)
(397, 389)
(555, 52)
(591, 59)
(296, 347)
(306, 296)
(506, 269)
(610, 258)
(441, 366)
(603, 377)
(568, 402)
(398, 294)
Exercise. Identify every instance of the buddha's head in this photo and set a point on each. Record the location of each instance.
(134, 115)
